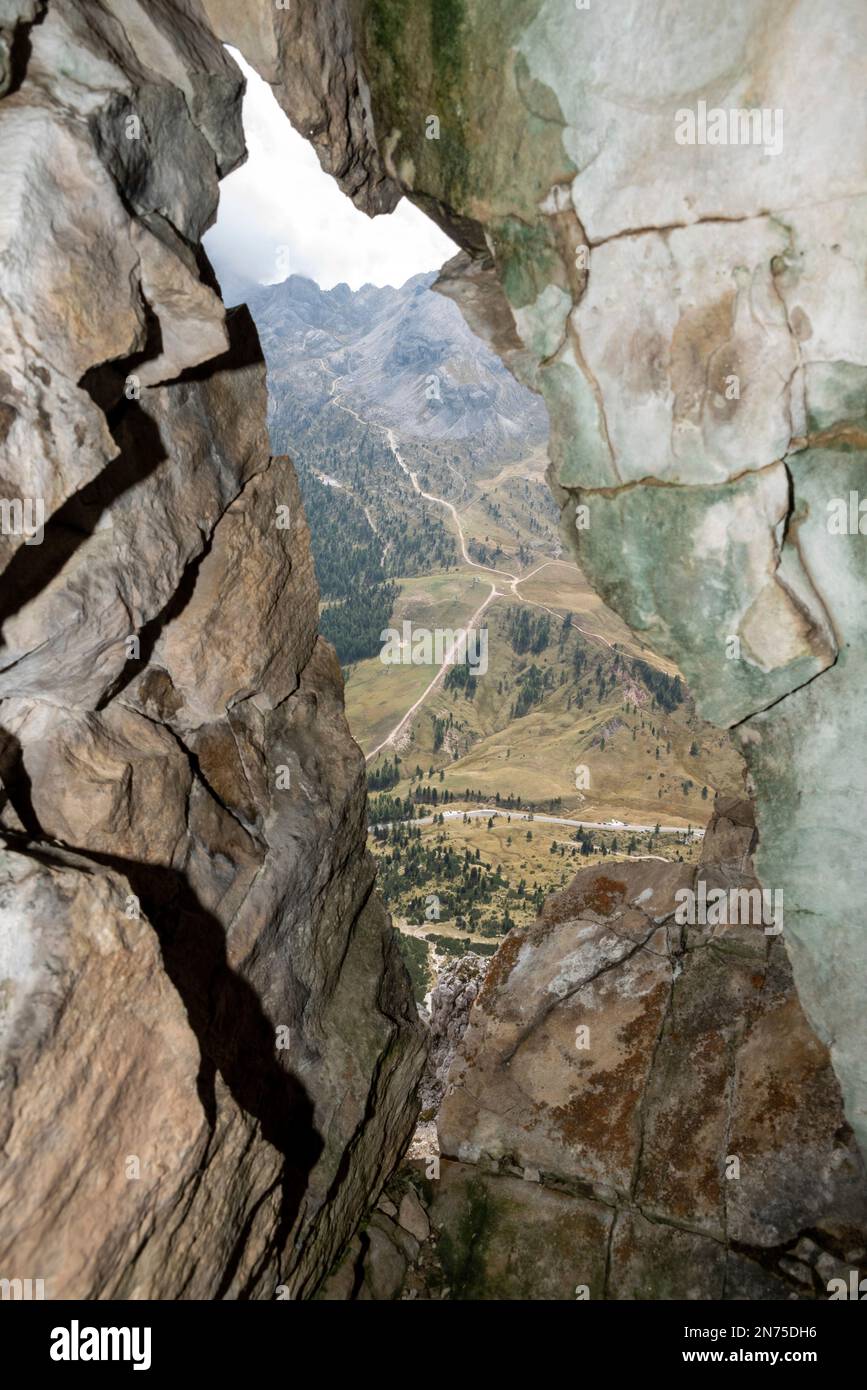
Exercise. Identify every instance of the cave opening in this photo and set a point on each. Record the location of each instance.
(422, 467)
(520, 591)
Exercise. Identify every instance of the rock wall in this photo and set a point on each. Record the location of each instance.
(652, 1090)
(452, 998)
(687, 291)
(637, 1108)
(209, 1046)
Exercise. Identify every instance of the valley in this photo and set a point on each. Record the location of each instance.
(422, 466)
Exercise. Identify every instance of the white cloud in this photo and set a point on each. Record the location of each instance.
(280, 214)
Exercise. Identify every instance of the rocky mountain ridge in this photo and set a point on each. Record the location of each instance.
(402, 359)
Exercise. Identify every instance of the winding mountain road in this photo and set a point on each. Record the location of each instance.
(514, 579)
(389, 739)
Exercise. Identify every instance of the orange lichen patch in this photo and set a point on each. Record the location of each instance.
(585, 893)
(560, 907)
(779, 1103)
(681, 1172)
(637, 1034)
(602, 1114)
(784, 1085)
(604, 895)
(502, 964)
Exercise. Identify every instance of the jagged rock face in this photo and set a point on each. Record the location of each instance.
(451, 1000)
(690, 301)
(633, 1085)
(210, 1049)
(310, 56)
(637, 1108)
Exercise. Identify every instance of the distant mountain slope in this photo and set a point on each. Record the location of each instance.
(400, 358)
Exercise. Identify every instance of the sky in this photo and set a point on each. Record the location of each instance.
(281, 215)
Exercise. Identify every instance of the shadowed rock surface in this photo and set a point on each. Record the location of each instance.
(210, 1049)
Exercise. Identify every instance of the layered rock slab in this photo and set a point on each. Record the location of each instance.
(664, 1072)
(244, 847)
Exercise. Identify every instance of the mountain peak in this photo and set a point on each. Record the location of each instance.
(404, 359)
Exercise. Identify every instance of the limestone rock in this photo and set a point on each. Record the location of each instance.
(452, 998)
(691, 306)
(117, 553)
(96, 1042)
(385, 1267)
(501, 1238)
(15, 18)
(412, 1216)
(378, 1263)
(543, 1048)
(664, 1069)
(209, 1046)
(310, 55)
(253, 600)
